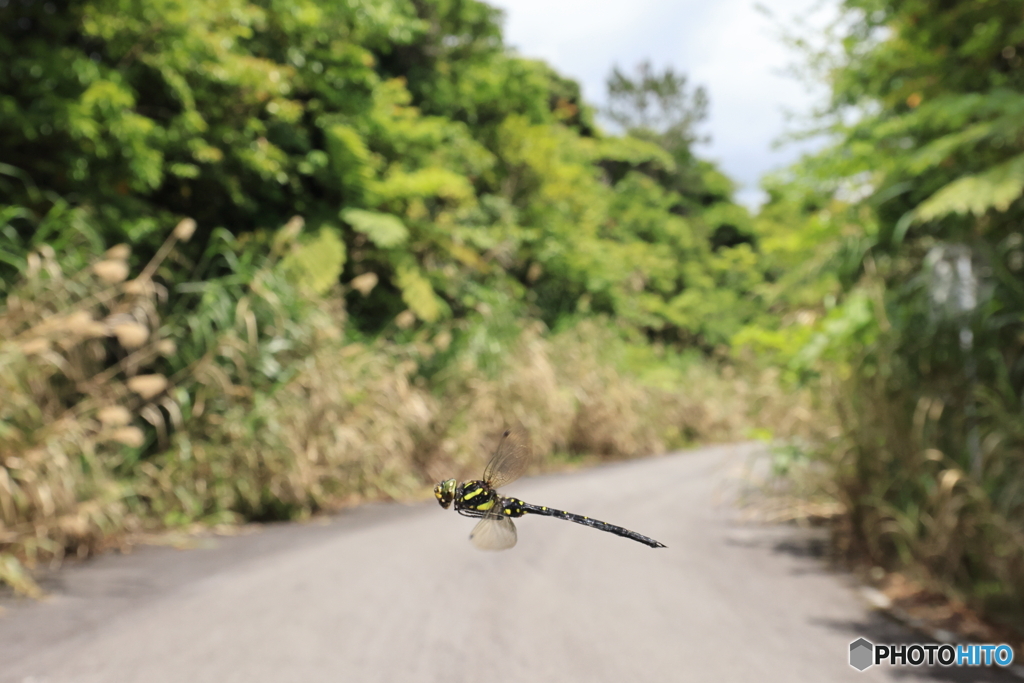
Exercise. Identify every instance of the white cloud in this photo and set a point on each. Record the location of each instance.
(727, 46)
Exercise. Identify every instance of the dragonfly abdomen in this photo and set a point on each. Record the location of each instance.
(517, 508)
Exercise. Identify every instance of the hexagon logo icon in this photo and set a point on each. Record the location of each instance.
(861, 651)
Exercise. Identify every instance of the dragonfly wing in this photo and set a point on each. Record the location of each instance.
(494, 532)
(511, 458)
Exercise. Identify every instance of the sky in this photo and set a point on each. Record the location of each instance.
(727, 46)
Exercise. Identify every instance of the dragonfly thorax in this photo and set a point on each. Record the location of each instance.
(475, 496)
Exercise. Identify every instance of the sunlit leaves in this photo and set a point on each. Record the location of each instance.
(417, 293)
(424, 183)
(384, 230)
(635, 152)
(350, 160)
(996, 188)
(455, 165)
(316, 264)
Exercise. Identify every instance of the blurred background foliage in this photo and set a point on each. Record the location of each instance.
(393, 235)
(900, 289)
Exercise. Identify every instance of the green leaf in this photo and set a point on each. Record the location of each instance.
(184, 170)
(996, 188)
(383, 229)
(635, 152)
(418, 294)
(426, 182)
(350, 159)
(316, 264)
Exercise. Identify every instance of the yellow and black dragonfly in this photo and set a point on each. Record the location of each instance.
(480, 498)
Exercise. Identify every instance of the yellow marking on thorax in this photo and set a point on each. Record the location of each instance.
(485, 506)
(475, 492)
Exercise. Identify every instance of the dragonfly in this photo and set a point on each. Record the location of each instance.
(480, 498)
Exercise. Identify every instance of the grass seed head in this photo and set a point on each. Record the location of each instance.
(147, 386)
(129, 436)
(119, 252)
(183, 231)
(111, 271)
(114, 416)
(364, 283)
(131, 335)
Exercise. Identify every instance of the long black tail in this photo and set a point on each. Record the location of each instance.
(527, 508)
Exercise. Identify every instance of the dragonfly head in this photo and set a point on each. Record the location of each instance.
(445, 492)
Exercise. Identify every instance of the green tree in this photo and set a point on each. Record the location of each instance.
(657, 104)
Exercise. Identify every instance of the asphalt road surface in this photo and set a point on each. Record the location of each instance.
(397, 593)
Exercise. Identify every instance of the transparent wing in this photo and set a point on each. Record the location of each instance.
(511, 458)
(494, 532)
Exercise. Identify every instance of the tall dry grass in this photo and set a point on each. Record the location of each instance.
(911, 500)
(75, 391)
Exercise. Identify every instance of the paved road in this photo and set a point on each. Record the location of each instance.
(397, 593)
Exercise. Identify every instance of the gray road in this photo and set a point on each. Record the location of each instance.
(397, 593)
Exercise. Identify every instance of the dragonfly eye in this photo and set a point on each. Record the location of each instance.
(445, 492)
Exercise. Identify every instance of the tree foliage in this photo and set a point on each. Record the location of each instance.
(656, 102)
(897, 262)
(447, 165)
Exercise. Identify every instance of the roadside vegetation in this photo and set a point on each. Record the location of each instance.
(901, 290)
(264, 258)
